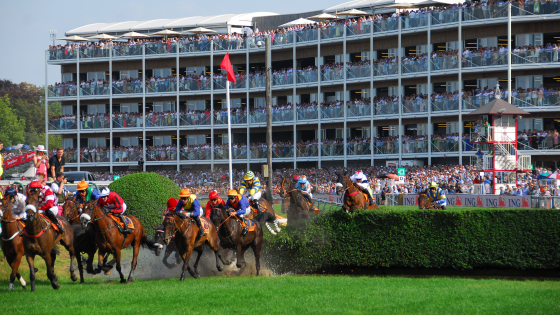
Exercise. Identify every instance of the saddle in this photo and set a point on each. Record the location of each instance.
(203, 224)
(53, 225)
(251, 226)
(128, 222)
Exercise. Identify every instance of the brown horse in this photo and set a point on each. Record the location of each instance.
(12, 242)
(353, 196)
(159, 237)
(286, 204)
(424, 202)
(267, 216)
(229, 231)
(110, 240)
(299, 208)
(84, 238)
(39, 238)
(185, 235)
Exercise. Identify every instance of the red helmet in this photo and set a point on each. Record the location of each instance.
(213, 195)
(35, 184)
(296, 177)
(171, 203)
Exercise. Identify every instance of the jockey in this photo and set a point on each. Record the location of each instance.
(17, 202)
(360, 179)
(436, 196)
(47, 204)
(189, 206)
(171, 206)
(114, 203)
(215, 201)
(240, 205)
(84, 194)
(252, 184)
(305, 187)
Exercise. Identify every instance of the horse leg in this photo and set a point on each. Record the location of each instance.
(199, 250)
(215, 245)
(31, 263)
(11, 261)
(241, 264)
(80, 266)
(69, 245)
(135, 251)
(118, 258)
(222, 254)
(256, 246)
(186, 267)
(278, 229)
(49, 262)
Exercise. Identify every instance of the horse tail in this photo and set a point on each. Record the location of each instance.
(151, 245)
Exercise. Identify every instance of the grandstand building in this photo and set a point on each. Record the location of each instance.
(350, 92)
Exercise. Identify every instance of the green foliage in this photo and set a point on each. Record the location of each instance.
(504, 238)
(11, 128)
(146, 196)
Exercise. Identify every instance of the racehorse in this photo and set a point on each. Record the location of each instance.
(267, 216)
(286, 204)
(12, 243)
(353, 196)
(229, 231)
(299, 208)
(110, 240)
(185, 235)
(84, 237)
(39, 238)
(169, 248)
(424, 202)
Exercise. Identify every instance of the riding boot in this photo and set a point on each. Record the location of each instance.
(244, 230)
(126, 230)
(54, 220)
(257, 205)
(200, 230)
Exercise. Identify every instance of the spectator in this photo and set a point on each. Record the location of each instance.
(40, 161)
(57, 162)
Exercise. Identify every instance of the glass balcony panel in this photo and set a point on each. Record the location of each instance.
(62, 89)
(282, 78)
(282, 151)
(161, 119)
(161, 48)
(444, 145)
(161, 154)
(94, 122)
(385, 147)
(134, 86)
(307, 76)
(385, 68)
(331, 73)
(332, 148)
(125, 50)
(536, 99)
(188, 45)
(307, 113)
(282, 38)
(330, 112)
(221, 118)
(62, 123)
(445, 16)
(94, 155)
(482, 12)
(89, 51)
(415, 20)
(191, 83)
(194, 153)
(128, 121)
(358, 71)
(161, 85)
(92, 89)
(71, 155)
(257, 81)
(387, 108)
(359, 110)
(445, 104)
(444, 63)
(306, 35)
(471, 102)
(540, 55)
(307, 150)
(334, 31)
(358, 148)
(230, 43)
(414, 146)
(64, 53)
(534, 8)
(359, 28)
(385, 25)
(414, 106)
(412, 66)
(130, 154)
(195, 118)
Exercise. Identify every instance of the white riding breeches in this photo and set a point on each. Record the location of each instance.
(256, 196)
(54, 210)
(364, 186)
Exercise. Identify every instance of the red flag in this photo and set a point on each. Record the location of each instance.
(226, 65)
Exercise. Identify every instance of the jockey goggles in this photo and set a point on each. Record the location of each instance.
(34, 189)
(184, 198)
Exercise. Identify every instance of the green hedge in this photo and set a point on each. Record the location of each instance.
(145, 195)
(505, 238)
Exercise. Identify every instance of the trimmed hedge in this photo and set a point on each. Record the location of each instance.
(146, 196)
(510, 238)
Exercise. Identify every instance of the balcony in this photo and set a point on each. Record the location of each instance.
(332, 112)
(332, 73)
(161, 119)
(414, 106)
(62, 123)
(414, 146)
(384, 107)
(90, 122)
(385, 147)
(359, 110)
(221, 118)
(357, 148)
(279, 151)
(194, 153)
(357, 71)
(306, 35)
(307, 150)
(128, 120)
(307, 112)
(332, 148)
(195, 118)
(447, 144)
(307, 76)
(258, 115)
(445, 103)
(161, 154)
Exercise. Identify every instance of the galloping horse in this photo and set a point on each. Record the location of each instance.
(424, 202)
(353, 197)
(84, 237)
(110, 240)
(267, 216)
(12, 242)
(299, 208)
(159, 238)
(39, 238)
(185, 235)
(229, 231)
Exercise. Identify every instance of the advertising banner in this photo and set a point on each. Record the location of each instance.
(485, 201)
(28, 157)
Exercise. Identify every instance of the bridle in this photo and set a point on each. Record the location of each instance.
(95, 218)
(43, 229)
(77, 216)
(284, 189)
(7, 222)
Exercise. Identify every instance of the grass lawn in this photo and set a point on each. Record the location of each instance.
(288, 295)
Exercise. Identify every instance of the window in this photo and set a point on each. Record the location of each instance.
(67, 143)
(67, 110)
(129, 141)
(164, 106)
(129, 108)
(195, 71)
(96, 109)
(165, 72)
(260, 102)
(196, 139)
(96, 75)
(162, 140)
(196, 105)
(366, 132)
(234, 103)
(96, 142)
(126, 74)
(487, 42)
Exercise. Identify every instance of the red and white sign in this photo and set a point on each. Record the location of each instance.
(28, 157)
(484, 201)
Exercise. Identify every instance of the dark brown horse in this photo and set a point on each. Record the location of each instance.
(39, 238)
(170, 248)
(84, 238)
(185, 235)
(286, 204)
(110, 240)
(299, 208)
(12, 242)
(229, 231)
(268, 216)
(353, 196)
(424, 202)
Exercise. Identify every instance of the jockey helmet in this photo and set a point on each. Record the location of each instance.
(82, 185)
(213, 195)
(232, 192)
(35, 184)
(104, 192)
(185, 192)
(11, 191)
(171, 203)
(249, 175)
(296, 178)
(433, 185)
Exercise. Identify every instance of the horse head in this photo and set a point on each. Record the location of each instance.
(88, 211)
(70, 210)
(217, 215)
(285, 204)
(33, 223)
(169, 228)
(340, 185)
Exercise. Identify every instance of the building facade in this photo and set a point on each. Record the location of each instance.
(391, 90)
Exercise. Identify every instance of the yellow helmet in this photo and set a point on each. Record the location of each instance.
(82, 185)
(433, 185)
(185, 192)
(249, 175)
(232, 192)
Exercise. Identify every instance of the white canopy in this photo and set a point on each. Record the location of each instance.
(323, 16)
(300, 21)
(166, 33)
(103, 36)
(73, 38)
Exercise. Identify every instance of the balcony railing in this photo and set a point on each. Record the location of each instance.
(95, 123)
(91, 89)
(332, 149)
(127, 155)
(236, 118)
(281, 38)
(445, 16)
(161, 155)
(167, 120)
(306, 35)
(195, 84)
(94, 52)
(192, 154)
(330, 112)
(278, 115)
(278, 152)
(307, 113)
(360, 28)
(416, 20)
(414, 106)
(358, 148)
(332, 74)
(358, 71)
(444, 145)
(385, 25)
(413, 66)
(128, 122)
(308, 150)
(385, 68)
(93, 155)
(282, 79)
(195, 119)
(239, 153)
(125, 50)
(358, 110)
(387, 108)
(414, 146)
(62, 124)
(161, 48)
(161, 86)
(62, 90)
(385, 147)
(335, 31)
(307, 76)
(134, 87)
(445, 104)
(533, 99)
(444, 63)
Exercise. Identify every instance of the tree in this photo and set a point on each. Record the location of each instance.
(11, 128)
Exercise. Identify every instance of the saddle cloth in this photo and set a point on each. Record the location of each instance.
(53, 225)
(128, 221)
(204, 224)
(251, 226)
(252, 205)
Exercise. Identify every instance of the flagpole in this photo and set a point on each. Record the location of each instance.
(229, 135)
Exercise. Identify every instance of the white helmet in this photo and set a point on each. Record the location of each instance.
(104, 192)
(30, 207)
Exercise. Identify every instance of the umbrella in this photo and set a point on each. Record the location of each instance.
(403, 5)
(352, 12)
(247, 30)
(166, 33)
(103, 36)
(10, 148)
(74, 38)
(25, 146)
(300, 21)
(390, 176)
(133, 34)
(200, 30)
(554, 176)
(323, 16)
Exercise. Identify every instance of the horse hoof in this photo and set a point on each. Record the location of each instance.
(278, 230)
(10, 287)
(22, 281)
(55, 278)
(273, 233)
(74, 278)
(55, 285)
(219, 268)
(108, 272)
(123, 281)
(82, 281)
